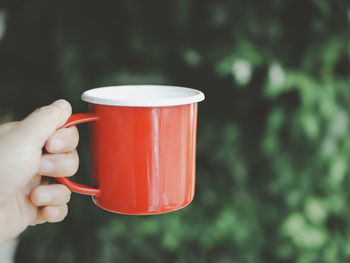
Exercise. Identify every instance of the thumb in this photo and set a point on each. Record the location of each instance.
(43, 122)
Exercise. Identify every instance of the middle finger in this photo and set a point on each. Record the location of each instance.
(63, 140)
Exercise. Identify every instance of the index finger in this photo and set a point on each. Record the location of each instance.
(43, 122)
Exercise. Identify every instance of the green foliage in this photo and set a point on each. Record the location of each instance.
(273, 133)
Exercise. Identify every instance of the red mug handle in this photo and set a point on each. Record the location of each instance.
(75, 119)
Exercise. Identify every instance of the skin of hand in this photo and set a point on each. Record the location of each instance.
(26, 197)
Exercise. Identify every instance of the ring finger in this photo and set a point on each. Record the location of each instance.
(53, 195)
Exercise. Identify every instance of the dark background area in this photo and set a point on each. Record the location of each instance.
(273, 133)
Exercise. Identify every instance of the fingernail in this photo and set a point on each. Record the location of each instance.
(62, 104)
(56, 145)
(44, 198)
(46, 167)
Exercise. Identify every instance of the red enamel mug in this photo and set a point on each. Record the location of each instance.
(143, 147)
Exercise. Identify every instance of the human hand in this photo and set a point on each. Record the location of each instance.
(27, 198)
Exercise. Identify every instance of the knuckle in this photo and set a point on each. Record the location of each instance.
(72, 137)
(63, 212)
(35, 194)
(74, 131)
(68, 197)
(75, 134)
(38, 190)
(62, 189)
(66, 190)
(75, 159)
(49, 144)
(72, 163)
(66, 193)
(50, 110)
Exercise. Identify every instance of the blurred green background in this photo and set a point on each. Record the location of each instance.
(273, 134)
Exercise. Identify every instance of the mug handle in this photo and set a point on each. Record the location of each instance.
(75, 119)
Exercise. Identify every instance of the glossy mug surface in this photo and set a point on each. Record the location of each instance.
(143, 147)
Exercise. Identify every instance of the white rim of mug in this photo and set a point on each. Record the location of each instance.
(184, 96)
